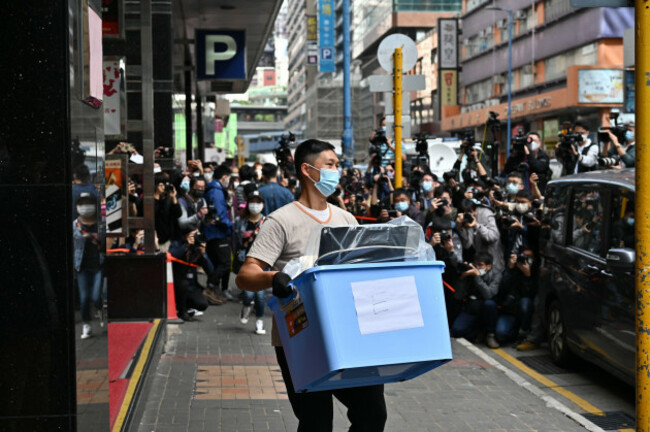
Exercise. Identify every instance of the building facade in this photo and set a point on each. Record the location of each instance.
(373, 20)
(560, 58)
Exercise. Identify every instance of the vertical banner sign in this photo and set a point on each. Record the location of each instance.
(312, 40)
(629, 89)
(114, 99)
(447, 63)
(93, 90)
(326, 49)
(449, 87)
(116, 193)
(111, 10)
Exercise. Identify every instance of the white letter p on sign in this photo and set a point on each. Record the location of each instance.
(211, 55)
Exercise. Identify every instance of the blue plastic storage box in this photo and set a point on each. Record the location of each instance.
(363, 324)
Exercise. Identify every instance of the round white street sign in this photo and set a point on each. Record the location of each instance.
(387, 49)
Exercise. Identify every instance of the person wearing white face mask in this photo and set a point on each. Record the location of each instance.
(537, 160)
(245, 232)
(88, 258)
(284, 236)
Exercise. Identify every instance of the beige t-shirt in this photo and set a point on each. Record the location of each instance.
(284, 236)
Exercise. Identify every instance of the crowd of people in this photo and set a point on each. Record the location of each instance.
(486, 229)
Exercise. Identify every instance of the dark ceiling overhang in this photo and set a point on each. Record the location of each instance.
(256, 17)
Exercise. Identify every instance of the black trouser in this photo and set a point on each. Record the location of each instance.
(366, 405)
(219, 253)
(188, 295)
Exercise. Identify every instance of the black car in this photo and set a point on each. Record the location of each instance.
(587, 269)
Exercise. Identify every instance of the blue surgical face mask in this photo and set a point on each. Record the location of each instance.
(427, 186)
(512, 188)
(475, 201)
(629, 135)
(630, 221)
(402, 206)
(329, 180)
(185, 186)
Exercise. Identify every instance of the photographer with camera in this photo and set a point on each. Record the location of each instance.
(530, 153)
(193, 206)
(479, 310)
(478, 231)
(403, 207)
(275, 196)
(382, 186)
(619, 150)
(516, 296)
(521, 225)
(576, 152)
(448, 249)
(167, 210)
(190, 250)
(382, 147)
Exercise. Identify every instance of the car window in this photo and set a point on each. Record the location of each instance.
(587, 220)
(622, 227)
(554, 213)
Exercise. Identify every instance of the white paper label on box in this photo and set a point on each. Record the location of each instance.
(385, 305)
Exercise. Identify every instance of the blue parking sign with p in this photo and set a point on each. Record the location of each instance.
(326, 54)
(220, 54)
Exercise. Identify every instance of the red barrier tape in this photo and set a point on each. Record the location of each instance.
(366, 218)
(170, 258)
(449, 287)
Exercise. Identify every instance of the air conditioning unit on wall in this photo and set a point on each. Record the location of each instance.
(521, 15)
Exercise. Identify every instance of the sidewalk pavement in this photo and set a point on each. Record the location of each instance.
(218, 375)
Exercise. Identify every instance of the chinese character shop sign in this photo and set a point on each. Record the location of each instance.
(326, 48)
(448, 43)
(448, 61)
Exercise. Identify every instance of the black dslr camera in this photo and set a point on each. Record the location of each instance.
(199, 238)
(449, 175)
(467, 138)
(619, 132)
(522, 258)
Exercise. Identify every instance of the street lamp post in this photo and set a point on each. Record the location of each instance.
(510, 21)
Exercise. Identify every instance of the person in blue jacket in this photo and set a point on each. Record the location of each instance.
(275, 196)
(218, 226)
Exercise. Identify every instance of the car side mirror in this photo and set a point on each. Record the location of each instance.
(621, 259)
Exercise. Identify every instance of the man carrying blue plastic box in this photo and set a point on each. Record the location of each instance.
(283, 237)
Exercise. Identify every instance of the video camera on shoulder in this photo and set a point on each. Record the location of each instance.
(520, 140)
(283, 151)
(568, 138)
